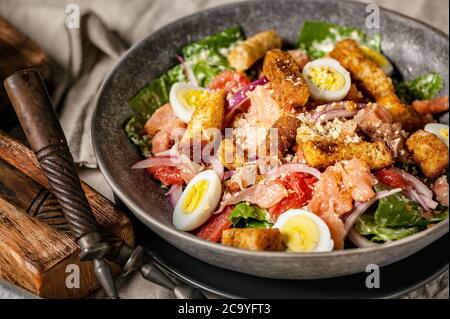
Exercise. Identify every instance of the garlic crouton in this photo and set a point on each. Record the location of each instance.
(250, 51)
(366, 72)
(401, 113)
(289, 88)
(321, 154)
(253, 239)
(208, 116)
(285, 129)
(429, 152)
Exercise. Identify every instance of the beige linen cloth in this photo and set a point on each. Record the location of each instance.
(82, 57)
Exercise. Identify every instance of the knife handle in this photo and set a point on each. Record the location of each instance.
(36, 114)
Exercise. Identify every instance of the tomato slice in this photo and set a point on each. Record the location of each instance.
(168, 175)
(391, 178)
(230, 81)
(213, 228)
(300, 190)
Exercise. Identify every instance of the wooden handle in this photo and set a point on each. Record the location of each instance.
(37, 116)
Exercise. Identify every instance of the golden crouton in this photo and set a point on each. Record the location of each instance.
(207, 117)
(429, 152)
(253, 239)
(401, 113)
(290, 90)
(366, 72)
(375, 82)
(321, 154)
(229, 156)
(286, 130)
(250, 51)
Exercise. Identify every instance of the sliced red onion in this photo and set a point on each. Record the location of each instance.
(241, 95)
(167, 153)
(231, 112)
(228, 174)
(174, 194)
(360, 241)
(237, 198)
(155, 162)
(292, 167)
(335, 110)
(426, 203)
(186, 164)
(361, 208)
(218, 167)
(332, 114)
(418, 184)
(188, 71)
(416, 190)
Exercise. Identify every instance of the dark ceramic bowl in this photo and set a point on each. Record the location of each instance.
(414, 47)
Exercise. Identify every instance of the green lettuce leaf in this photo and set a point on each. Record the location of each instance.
(367, 226)
(249, 216)
(156, 93)
(208, 57)
(215, 43)
(440, 214)
(252, 223)
(398, 211)
(318, 38)
(424, 87)
(395, 218)
(136, 133)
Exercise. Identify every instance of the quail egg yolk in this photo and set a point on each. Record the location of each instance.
(192, 99)
(195, 196)
(375, 56)
(326, 78)
(444, 133)
(300, 234)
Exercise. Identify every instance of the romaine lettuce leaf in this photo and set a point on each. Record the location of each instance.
(367, 226)
(319, 38)
(156, 93)
(395, 218)
(425, 87)
(398, 211)
(208, 57)
(253, 223)
(205, 70)
(249, 216)
(135, 131)
(440, 214)
(215, 43)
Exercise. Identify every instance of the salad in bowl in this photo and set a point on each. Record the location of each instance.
(266, 148)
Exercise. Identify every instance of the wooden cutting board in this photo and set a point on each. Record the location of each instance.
(17, 52)
(37, 251)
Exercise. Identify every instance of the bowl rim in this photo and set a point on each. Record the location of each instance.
(147, 219)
